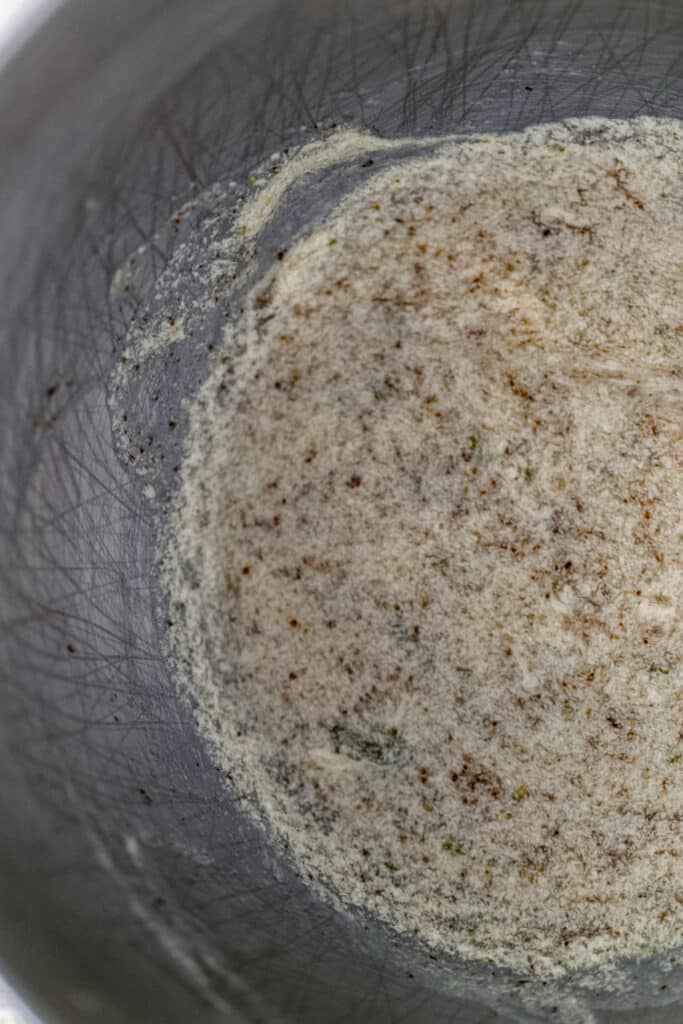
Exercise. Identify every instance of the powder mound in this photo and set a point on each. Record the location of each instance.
(426, 554)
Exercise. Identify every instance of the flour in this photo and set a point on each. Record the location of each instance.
(317, 155)
(424, 564)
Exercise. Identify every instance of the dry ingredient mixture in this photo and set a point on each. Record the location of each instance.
(425, 562)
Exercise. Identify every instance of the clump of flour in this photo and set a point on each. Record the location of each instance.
(425, 557)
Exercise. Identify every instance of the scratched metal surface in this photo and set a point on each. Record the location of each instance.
(134, 110)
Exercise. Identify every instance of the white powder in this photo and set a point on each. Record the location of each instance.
(316, 156)
(425, 559)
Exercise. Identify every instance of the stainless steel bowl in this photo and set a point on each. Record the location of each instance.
(131, 887)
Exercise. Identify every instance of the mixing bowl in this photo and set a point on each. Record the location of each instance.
(132, 887)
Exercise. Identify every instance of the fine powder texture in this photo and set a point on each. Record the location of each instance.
(425, 562)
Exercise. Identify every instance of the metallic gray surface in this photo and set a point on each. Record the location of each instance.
(110, 118)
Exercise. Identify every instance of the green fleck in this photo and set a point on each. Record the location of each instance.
(397, 608)
(528, 473)
(521, 793)
(333, 241)
(675, 759)
(369, 741)
(567, 705)
(473, 443)
(464, 669)
(659, 668)
(252, 179)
